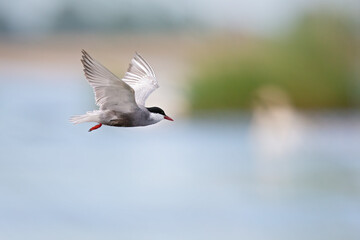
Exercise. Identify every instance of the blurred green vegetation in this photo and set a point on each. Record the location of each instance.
(315, 64)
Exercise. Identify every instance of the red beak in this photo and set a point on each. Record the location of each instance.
(168, 118)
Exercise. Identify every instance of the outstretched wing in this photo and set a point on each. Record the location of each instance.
(141, 77)
(110, 91)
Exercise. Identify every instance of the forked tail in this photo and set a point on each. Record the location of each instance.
(93, 116)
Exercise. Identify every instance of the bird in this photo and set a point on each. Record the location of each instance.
(121, 101)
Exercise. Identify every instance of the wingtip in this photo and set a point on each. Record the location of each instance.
(137, 55)
(85, 55)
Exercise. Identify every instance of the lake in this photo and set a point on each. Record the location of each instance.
(204, 177)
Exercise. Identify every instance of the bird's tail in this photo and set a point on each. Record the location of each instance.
(93, 116)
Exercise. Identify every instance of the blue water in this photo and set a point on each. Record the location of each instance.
(195, 178)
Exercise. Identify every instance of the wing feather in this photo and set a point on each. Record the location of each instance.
(110, 91)
(141, 77)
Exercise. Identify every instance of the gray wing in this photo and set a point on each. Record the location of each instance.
(141, 77)
(110, 91)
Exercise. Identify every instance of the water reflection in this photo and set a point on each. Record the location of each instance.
(276, 132)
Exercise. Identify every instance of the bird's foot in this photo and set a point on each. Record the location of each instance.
(95, 127)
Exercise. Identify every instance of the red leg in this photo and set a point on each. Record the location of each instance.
(95, 127)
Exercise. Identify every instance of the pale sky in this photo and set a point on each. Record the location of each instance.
(258, 16)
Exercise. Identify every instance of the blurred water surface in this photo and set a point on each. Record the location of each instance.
(271, 171)
(195, 178)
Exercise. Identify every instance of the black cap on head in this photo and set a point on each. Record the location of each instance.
(156, 110)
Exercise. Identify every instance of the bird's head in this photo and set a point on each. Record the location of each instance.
(158, 114)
